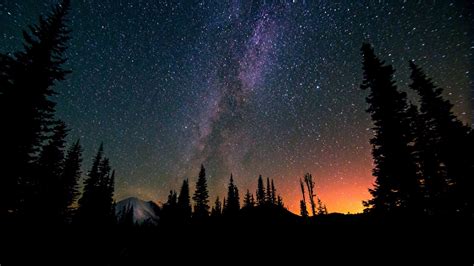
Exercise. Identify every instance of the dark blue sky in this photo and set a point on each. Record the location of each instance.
(248, 87)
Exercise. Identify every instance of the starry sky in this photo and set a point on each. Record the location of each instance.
(246, 87)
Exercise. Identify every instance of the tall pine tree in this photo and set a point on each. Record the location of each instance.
(96, 206)
(396, 188)
(249, 201)
(170, 214)
(443, 150)
(46, 203)
(26, 111)
(268, 194)
(273, 196)
(184, 202)
(69, 180)
(260, 192)
(201, 196)
(217, 208)
(233, 199)
(86, 210)
(106, 213)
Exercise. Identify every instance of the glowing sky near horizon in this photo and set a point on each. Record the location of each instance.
(244, 87)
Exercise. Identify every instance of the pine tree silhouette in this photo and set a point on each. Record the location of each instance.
(184, 203)
(279, 202)
(443, 150)
(96, 206)
(273, 198)
(170, 214)
(69, 180)
(260, 192)
(224, 204)
(26, 112)
(268, 194)
(249, 202)
(201, 197)
(233, 200)
(217, 209)
(322, 210)
(86, 210)
(396, 188)
(172, 199)
(104, 203)
(109, 202)
(45, 202)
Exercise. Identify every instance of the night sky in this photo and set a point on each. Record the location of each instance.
(244, 87)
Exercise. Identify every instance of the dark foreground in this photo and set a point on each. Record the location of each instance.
(334, 237)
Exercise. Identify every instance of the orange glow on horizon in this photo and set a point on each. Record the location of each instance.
(347, 199)
(342, 188)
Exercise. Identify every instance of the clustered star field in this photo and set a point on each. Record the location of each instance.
(246, 87)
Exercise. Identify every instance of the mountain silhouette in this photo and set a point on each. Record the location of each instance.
(136, 211)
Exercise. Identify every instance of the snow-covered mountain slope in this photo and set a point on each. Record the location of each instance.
(135, 210)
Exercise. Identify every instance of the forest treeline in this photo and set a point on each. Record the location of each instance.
(179, 209)
(422, 152)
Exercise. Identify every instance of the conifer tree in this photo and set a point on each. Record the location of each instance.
(260, 192)
(279, 202)
(201, 196)
(224, 204)
(170, 214)
(233, 200)
(396, 188)
(217, 208)
(96, 206)
(45, 201)
(273, 196)
(268, 194)
(71, 173)
(248, 200)
(443, 150)
(184, 202)
(26, 81)
(322, 210)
